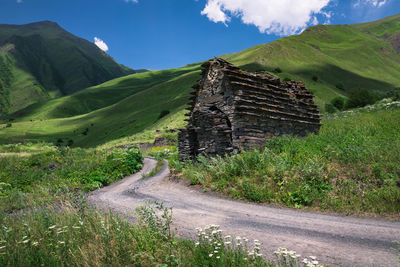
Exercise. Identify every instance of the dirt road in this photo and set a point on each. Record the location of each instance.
(335, 240)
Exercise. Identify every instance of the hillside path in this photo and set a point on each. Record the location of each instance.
(336, 240)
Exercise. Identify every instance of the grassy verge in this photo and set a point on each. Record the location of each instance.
(157, 168)
(351, 166)
(45, 173)
(75, 235)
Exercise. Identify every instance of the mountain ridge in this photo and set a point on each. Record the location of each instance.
(47, 61)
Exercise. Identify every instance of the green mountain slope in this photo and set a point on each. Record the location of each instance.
(331, 60)
(42, 61)
(348, 56)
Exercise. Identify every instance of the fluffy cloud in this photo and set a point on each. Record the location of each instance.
(282, 17)
(375, 3)
(131, 1)
(100, 44)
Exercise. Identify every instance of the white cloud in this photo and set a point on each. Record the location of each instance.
(132, 1)
(283, 17)
(19, 1)
(100, 44)
(375, 3)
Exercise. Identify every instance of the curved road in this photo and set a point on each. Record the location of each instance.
(335, 240)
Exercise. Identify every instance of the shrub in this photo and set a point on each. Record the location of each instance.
(278, 70)
(340, 86)
(330, 108)
(315, 78)
(339, 102)
(163, 114)
(8, 125)
(359, 98)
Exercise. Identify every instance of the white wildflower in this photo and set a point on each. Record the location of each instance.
(210, 255)
(313, 258)
(218, 257)
(3, 247)
(52, 227)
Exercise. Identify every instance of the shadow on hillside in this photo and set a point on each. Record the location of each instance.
(336, 76)
(86, 101)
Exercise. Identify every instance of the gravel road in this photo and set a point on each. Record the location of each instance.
(335, 240)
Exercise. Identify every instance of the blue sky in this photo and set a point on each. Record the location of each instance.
(159, 34)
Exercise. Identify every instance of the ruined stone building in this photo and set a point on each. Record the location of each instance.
(233, 109)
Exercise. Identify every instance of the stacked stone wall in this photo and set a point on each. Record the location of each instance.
(232, 110)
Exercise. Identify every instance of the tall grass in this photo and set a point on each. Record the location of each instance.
(351, 166)
(79, 236)
(34, 174)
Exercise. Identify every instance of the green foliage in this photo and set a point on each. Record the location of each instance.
(338, 102)
(44, 174)
(350, 166)
(360, 97)
(330, 108)
(315, 78)
(75, 235)
(118, 164)
(278, 70)
(163, 113)
(340, 86)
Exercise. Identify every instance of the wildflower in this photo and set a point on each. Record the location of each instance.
(35, 243)
(227, 243)
(227, 237)
(258, 254)
(218, 257)
(305, 261)
(76, 227)
(313, 258)
(52, 227)
(61, 242)
(251, 253)
(215, 251)
(314, 262)
(210, 255)
(24, 237)
(25, 241)
(197, 243)
(3, 247)
(238, 238)
(80, 222)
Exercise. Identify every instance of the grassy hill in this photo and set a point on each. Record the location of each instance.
(39, 61)
(331, 60)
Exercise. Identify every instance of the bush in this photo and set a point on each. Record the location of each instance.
(163, 114)
(330, 108)
(315, 78)
(278, 70)
(359, 98)
(339, 102)
(340, 86)
(8, 125)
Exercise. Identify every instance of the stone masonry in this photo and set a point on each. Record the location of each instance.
(232, 109)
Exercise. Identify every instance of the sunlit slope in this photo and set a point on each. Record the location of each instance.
(97, 97)
(354, 56)
(131, 115)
